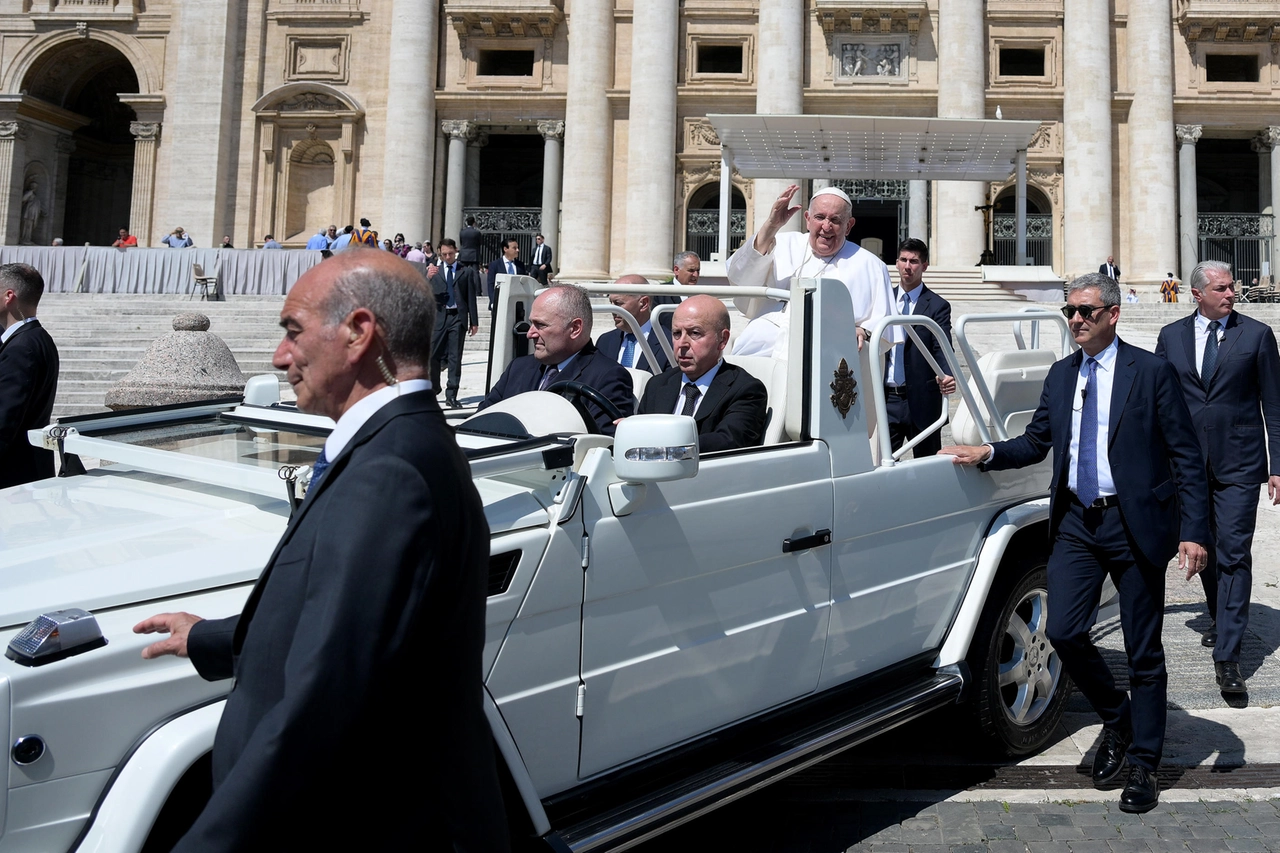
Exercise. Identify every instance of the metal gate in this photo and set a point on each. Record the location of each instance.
(503, 223)
(702, 231)
(1240, 239)
(1039, 239)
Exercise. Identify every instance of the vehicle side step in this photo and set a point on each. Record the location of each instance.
(639, 820)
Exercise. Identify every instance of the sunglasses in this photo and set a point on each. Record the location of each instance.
(1085, 311)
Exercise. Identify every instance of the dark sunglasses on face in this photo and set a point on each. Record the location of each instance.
(1085, 311)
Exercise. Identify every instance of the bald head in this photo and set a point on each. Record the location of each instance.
(637, 306)
(699, 334)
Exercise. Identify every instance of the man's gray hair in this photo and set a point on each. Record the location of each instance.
(25, 281)
(571, 302)
(1107, 286)
(404, 306)
(1199, 277)
(685, 256)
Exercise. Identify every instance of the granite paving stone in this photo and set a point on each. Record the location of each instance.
(998, 831)
(1127, 846)
(1032, 833)
(1048, 847)
(1247, 845)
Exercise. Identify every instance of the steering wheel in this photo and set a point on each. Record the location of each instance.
(574, 392)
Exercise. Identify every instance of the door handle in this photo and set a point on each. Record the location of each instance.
(804, 543)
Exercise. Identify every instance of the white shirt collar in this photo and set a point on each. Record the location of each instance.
(562, 365)
(704, 381)
(913, 294)
(1106, 359)
(356, 416)
(13, 330)
(1202, 323)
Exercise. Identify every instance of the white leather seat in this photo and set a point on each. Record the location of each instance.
(1016, 379)
(639, 379)
(773, 373)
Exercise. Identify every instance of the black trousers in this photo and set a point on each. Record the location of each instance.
(1091, 544)
(446, 348)
(903, 427)
(1228, 580)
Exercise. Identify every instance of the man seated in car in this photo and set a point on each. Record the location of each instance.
(728, 403)
(560, 328)
(621, 344)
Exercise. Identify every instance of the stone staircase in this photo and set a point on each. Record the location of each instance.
(962, 284)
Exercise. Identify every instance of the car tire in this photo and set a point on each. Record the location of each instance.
(1021, 687)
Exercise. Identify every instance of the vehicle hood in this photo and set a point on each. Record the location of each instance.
(106, 539)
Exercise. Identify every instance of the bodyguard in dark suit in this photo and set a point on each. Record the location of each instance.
(621, 345)
(1127, 493)
(540, 263)
(378, 583)
(1229, 369)
(469, 243)
(455, 287)
(560, 329)
(509, 263)
(728, 403)
(913, 391)
(28, 376)
(1109, 269)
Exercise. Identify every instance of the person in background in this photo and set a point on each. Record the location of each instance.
(125, 240)
(178, 239)
(269, 242)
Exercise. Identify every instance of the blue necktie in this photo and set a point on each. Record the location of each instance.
(1210, 362)
(1087, 461)
(318, 468)
(628, 350)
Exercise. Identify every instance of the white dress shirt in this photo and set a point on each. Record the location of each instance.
(703, 382)
(1202, 334)
(1103, 379)
(356, 416)
(644, 333)
(897, 373)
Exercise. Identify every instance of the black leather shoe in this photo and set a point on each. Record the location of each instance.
(1109, 760)
(1210, 638)
(452, 403)
(1229, 678)
(1141, 793)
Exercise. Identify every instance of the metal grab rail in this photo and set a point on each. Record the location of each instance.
(641, 340)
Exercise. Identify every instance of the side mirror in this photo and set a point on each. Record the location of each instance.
(655, 448)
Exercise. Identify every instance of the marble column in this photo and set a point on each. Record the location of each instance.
(1273, 137)
(142, 201)
(918, 210)
(651, 137)
(552, 171)
(1262, 147)
(65, 145)
(588, 143)
(1086, 154)
(12, 162)
(961, 234)
(471, 185)
(779, 88)
(1153, 230)
(1188, 228)
(459, 133)
(409, 129)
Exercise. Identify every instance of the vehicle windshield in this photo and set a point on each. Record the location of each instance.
(261, 447)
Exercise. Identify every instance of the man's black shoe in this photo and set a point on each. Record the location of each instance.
(452, 403)
(1109, 760)
(1229, 678)
(1142, 793)
(1210, 638)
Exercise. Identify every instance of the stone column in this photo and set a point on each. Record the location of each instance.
(588, 143)
(1262, 147)
(1273, 137)
(918, 211)
(1086, 108)
(779, 89)
(145, 136)
(459, 133)
(962, 85)
(12, 162)
(1188, 228)
(651, 137)
(409, 126)
(471, 186)
(552, 133)
(65, 146)
(1153, 236)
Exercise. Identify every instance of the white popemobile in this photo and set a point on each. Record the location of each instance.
(665, 631)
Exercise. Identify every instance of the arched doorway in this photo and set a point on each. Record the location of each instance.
(1039, 228)
(702, 220)
(91, 172)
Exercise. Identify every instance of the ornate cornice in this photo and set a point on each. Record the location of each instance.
(883, 18)
(504, 20)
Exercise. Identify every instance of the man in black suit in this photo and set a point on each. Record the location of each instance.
(28, 376)
(454, 286)
(621, 345)
(469, 244)
(541, 260)
(560, 329)
(509, 263)
(1109, 269)
(378, 582)
(913, 392)
(728, 403)
(1229, 368)
(1127, 493)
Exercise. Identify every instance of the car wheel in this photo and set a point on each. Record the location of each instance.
(1021, 686)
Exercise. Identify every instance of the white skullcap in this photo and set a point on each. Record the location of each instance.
(835, 191)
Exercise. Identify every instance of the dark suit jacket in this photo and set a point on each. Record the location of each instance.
(533, 266)
(1155, 460)
(610, 344)
(377, 584)
(497, 268)
(1102, 268)
(924, 398)
(1244, 392)
(28, 384)
(590, 368)
(466, 284)
(469, 245)
(731, 415)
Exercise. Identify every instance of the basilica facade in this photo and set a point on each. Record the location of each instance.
(585, 120)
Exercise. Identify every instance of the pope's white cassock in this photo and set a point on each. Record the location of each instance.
(862, 272)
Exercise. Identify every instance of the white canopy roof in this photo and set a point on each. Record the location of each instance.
(883, 148)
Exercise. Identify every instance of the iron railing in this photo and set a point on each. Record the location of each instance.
(1039, 239)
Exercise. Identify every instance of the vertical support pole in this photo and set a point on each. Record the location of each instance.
(726, 195)
(1021, 209)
